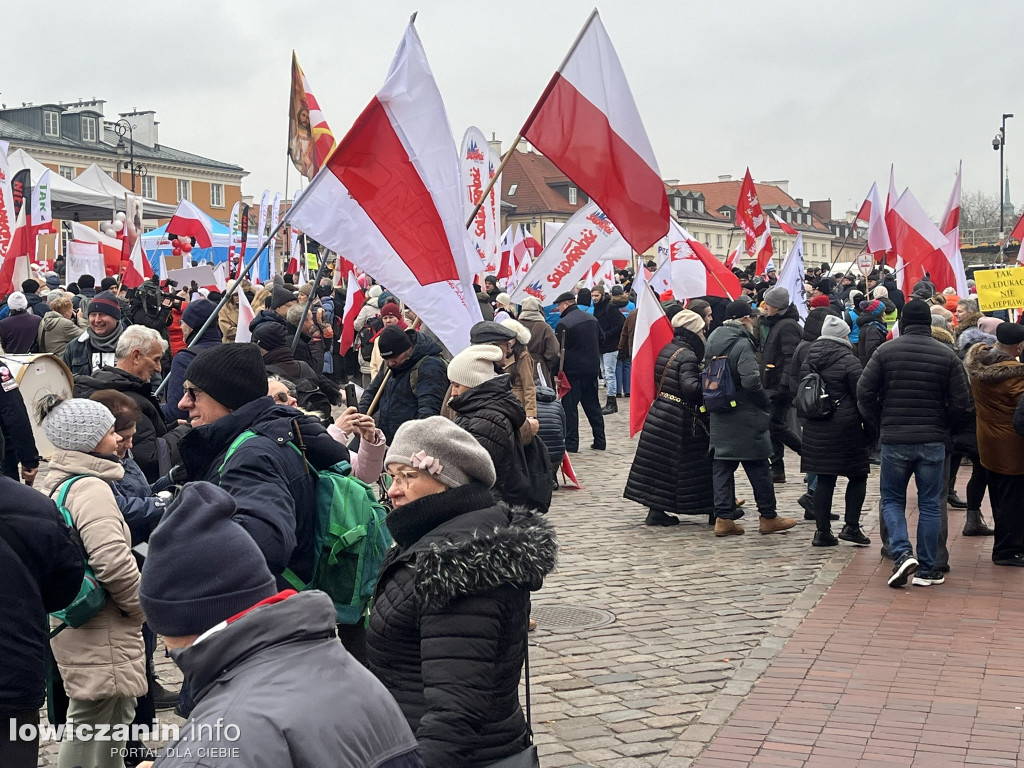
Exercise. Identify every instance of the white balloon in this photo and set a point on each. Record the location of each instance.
(119, 216)
(119, 224)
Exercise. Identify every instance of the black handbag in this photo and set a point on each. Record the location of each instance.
(528, 758)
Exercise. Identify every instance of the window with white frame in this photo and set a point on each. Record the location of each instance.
(512, 189)
(677, 203)
(89, 129)
(572, 195)
(689, 204)
(51, 123)
(149, 187)
(217, 195)
(700, 206)
(718, 241)
(67, 171)
(184, 189)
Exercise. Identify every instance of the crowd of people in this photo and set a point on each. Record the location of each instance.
(187, 483)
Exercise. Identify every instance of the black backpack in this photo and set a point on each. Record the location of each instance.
(370, 329)
(718, 384)
(812, 400)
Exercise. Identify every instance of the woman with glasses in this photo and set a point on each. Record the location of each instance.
(447, 634)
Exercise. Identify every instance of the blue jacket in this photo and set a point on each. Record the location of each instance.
(267, 478)
(180, 364)
(140, 509)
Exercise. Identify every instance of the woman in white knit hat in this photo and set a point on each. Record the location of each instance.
(447, 635)
(102, 662)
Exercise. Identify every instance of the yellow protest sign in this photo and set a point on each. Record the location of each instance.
(1000, 288)
(311, 262)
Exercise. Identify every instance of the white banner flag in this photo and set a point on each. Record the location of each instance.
(84, 259)
(275, 217)
(588, 237)
(792, 277)
(473, 168)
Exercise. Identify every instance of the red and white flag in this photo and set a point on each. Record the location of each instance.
(390, 199)
(190, 221)
(661, 280)
(750, 218)
(696, 271)
(873, 213)
(765, 252)
(1018, 235)
(914, 237)
(587, 238)
(947, 266)
(110, 247)
(16, 268)
(783, 225)
(732, 258)
(588, 125)
(653, 331)
(133, 269)
(245, 316)
(354, 299)
(7, 217)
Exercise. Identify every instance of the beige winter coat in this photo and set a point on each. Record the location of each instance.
(106, 657)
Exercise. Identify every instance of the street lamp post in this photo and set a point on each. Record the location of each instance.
(998, 143)
(121, 127)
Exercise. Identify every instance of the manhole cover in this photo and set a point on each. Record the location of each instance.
(569, 618)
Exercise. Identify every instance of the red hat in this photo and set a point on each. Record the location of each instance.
(391, 310)
(820, 301)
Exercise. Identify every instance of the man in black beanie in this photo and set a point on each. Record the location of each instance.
(225, 395)
(414, 379)
(97, 344)
(914, 393)
(253, 701)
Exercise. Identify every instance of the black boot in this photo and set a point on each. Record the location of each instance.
(655, 517)
(162, 698)
(824, 539)
(975, 524)
(955, 501)
(611, 406)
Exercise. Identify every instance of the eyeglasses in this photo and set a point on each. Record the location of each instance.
(191, 392)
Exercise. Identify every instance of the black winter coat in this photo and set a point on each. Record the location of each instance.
(447, 635)
(581, 338)
(400, 403)
(671, 471)
(16, 436)
(179, 366)
(916, 389)
(837, 445)
(551, 416)
(493, 415)
(784, 334)
(149, 429)
(266, 477)
(811, 331)
(610, 319)
(41, 570)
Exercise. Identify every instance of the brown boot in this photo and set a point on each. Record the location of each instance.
(775, 524)
(725, 527)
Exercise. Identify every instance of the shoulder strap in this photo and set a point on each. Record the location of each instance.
(234, 447)
(661, 381)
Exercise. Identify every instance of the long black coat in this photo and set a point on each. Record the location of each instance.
(671, 471)
(447, 635)
(837, 445)
(783, 336)
(493, 415)
(581, 338)
(611, 320)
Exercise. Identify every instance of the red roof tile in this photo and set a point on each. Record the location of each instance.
(720, 193)
(534, 176)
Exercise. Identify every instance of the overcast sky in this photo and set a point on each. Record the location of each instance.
(825, 94)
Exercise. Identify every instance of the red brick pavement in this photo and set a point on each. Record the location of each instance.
(875, 676)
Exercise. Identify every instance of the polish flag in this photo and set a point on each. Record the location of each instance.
(696, 271)
(15, 268)
(191, 222)
(783, 225)
(133, 274)
(568, 473)
(511, 258)
(1018, 235)
(732, 258)
(588, 125)
(947, 265)
(245, 317)
(653, 331)
(661, 280)
(521, 271)
(914, 236)
(765, 252)
(110, 247)
(872, 212)
(355, 297)
(390, 198)
(643, 277)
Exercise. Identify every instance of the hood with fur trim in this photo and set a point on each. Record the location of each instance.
(988, 365)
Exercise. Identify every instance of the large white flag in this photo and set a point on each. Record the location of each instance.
(588, 237)
(792, 277)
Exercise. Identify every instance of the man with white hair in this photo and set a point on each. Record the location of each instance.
(137, 358)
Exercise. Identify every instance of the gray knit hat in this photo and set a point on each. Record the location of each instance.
(835, 328)
(446, 451)
(777, 297)
(78, 424)
(474, 365)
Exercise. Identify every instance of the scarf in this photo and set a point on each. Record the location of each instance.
(532, 314)
(105, 343)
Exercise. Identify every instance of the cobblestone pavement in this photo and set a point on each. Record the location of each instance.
(697, 620)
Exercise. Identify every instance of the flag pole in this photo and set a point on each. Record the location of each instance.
(225, 298)
(380, 391)
(309, 301)
(491, 182)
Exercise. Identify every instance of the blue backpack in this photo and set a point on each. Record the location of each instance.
(350, 534)
(718, 384)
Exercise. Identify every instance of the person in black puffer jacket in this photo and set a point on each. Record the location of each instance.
(485, 407)
(781, 326)
(872, 329)
(610, 319)
(836, 445)
(447, 635)
(675, 433)
(551, 416)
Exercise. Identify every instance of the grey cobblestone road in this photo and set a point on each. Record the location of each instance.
(696, 619)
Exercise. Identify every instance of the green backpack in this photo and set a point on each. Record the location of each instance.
(91, 595)
(350, 534)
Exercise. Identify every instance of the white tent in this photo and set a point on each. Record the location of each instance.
(68, 198)
(98, 180)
